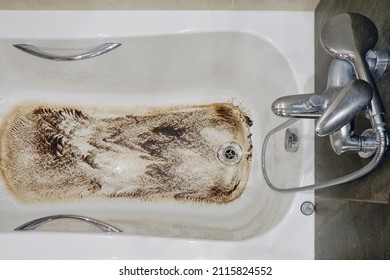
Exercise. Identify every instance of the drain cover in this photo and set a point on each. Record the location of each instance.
(230, 153)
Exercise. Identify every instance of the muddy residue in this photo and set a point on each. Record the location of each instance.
(51, 153)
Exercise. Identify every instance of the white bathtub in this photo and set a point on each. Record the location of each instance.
(166, 60)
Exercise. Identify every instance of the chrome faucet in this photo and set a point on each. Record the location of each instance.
(343, 98)
(350, 88)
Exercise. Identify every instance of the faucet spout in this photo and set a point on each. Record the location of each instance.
(299, 106)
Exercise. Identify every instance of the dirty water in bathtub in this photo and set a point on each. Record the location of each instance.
(54, 153)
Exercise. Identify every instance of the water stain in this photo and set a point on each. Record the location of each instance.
(51, 153)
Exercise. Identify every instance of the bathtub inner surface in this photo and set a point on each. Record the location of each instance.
(161, 136)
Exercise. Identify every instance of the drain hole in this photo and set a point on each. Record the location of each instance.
(230, 153)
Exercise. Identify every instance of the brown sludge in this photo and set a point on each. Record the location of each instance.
(51, 153)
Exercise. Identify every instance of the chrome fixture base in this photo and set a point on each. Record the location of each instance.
(378, 61)
(368, 143)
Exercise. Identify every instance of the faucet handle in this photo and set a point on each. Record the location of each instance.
(352, 99)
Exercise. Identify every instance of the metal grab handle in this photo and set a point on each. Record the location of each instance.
(102, 49)
(32, 225)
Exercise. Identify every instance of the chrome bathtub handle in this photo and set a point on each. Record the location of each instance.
(102, 49)
(32, 225)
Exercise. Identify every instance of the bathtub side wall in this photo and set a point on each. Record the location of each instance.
(264, 5)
